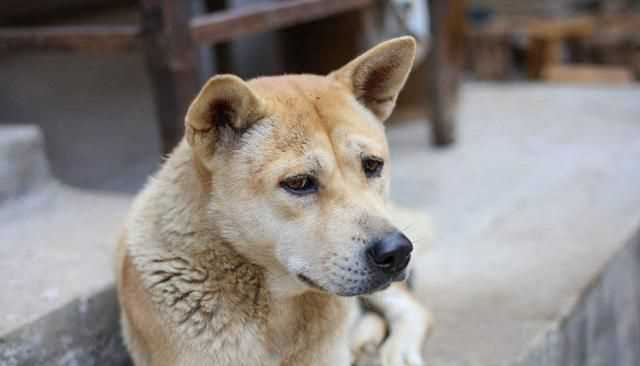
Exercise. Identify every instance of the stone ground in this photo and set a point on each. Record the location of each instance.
(539, 194)
(541, 191)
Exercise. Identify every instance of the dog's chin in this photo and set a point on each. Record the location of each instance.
(311, 283)
(355, 288)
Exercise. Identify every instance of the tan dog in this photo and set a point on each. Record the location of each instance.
(250, 244)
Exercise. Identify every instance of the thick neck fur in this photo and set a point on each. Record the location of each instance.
(198, 280)
(184, 263)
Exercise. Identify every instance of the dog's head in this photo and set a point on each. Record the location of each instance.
(297, 170)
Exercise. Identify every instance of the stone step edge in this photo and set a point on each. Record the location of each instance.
(24, 167)
(603, 326)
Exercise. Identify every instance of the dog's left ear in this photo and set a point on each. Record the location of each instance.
(225, 107)
(378, 75)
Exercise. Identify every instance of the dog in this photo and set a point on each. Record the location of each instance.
(256, 239)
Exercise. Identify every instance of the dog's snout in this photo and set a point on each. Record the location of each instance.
(391, 253)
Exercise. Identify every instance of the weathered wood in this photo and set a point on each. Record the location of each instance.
(344, 35)
(446, 61)
(221, 52)
(209, 29)
(587, 74)
(547, 36)
(172, 63)
(19, 10)
(489, 52)
(115, 38)
(229, 24)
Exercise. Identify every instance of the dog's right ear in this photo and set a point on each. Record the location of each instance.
(376, 77)
(225, 105)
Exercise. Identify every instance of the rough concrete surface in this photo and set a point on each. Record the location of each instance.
(84, 332)
(56, 248)
(23, 167)
(540, 192)
(56, 242)
(59, 249)
(604, 328)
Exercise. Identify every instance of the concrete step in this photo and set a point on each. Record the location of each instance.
(603, 328)
(56, 249)
(538, 196)
(23, 164)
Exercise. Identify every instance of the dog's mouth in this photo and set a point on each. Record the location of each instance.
(400, 276)
(371, 285)
(309, 282)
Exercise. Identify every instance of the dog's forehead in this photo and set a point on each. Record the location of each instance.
(318, 108)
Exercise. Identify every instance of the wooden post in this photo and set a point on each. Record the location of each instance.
(221, 52)
(445, 66)
(173, 64)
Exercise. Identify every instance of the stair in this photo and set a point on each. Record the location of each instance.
(56, 247)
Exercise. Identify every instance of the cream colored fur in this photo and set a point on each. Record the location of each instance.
(219, 265)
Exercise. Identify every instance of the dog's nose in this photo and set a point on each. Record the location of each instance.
(390, 254)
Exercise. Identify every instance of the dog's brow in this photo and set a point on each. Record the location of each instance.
(308, 163)
(312, 164)
(317, 165)
(364, 145)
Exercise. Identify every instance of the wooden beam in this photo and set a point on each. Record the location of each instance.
(587, 74)
(173, 64)
(29, 10)
(232, 23)
(221, 53)
(445, 65)
(116, 38)
(208, 29)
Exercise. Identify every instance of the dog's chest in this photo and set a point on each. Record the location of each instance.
(311, 329)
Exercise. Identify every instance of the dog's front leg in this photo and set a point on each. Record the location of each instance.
(367, 334)
(409, 323)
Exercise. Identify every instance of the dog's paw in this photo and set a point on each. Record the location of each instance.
(367, 335)
(396, 352)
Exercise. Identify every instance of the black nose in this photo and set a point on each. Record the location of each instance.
(391, 254)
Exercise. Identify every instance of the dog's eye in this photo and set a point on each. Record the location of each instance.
(372, 166)
(300, 184)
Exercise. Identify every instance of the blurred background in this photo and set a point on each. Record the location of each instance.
(518, 132)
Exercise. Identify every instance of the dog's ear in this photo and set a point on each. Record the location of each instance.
(225, 106)
(377, 76)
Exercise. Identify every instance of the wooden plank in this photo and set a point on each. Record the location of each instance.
(116, 38)
(229, 24)
(210, 28)
(343, 34)
(587, 74)
(41, 9)
(173, 64)
(489, 53)
(558, 29)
